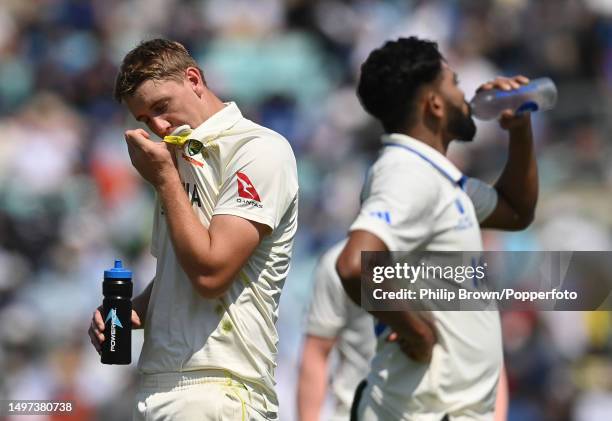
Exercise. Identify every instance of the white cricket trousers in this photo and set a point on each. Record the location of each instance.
(206, 395)
(369, 410)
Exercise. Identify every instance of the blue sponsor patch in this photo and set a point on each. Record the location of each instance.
(384, 215)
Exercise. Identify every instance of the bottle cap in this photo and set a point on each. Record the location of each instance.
(118, 272)
(528, 107)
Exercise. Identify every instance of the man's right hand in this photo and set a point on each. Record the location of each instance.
(417, 346)
(96, 327)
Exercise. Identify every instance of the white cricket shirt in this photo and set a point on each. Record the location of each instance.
(332, 314)
(231, 166)
(413, 200)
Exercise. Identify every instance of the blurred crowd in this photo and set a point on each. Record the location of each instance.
(70, 202)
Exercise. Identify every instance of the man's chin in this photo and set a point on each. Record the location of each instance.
(462, 126)
(465, 139)
(467, 135)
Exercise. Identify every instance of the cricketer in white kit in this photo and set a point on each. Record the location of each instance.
(445, 364)
(223, 234)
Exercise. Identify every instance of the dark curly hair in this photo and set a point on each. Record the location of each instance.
(391, 77)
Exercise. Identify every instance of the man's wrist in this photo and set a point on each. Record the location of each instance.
(521, 129)
(168, 180)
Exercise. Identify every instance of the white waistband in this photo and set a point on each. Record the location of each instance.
(166, 382)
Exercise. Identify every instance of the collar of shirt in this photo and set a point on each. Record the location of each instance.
(217, 124)
(427, 153)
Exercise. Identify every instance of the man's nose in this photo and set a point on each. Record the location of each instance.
(160, 126)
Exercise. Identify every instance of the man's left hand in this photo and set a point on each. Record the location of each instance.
(509, 120)
(155, 161)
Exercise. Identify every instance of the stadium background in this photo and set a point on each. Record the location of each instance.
(70, 201)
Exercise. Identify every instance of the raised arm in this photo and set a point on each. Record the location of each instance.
(517, 187)
(211, 257)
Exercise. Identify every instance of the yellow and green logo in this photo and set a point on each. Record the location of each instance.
(194, 147)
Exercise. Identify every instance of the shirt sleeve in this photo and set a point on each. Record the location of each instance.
(260, 181)
(483, 196)
(328, 307)
(399, 204)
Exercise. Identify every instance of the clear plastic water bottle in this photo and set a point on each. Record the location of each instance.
(538, 95)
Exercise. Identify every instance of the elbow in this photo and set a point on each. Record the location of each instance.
(523, 221)
(210, 287)
(348, 267)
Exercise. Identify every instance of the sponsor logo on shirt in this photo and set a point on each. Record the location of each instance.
(192, 161)
(193, 193)
(247, 193)
(384, 215)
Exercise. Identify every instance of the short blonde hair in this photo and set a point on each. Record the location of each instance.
(156, 59)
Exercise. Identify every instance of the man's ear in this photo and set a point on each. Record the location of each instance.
(194, 78)
(434, 104)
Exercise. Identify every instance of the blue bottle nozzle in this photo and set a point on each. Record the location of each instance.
(118, 271)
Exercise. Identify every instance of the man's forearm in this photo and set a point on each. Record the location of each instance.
(405, 323)
(313, 380)
(518, 183)
(191, 240)
(414, 330)
(411, 326)
(211, 256)
(352, 287)
(349, 266)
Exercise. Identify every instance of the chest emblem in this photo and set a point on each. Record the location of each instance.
(194, 147)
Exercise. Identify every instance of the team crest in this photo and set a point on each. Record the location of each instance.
(194, 147)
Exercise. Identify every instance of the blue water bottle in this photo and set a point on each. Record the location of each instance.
(117, 314)
(537, 95)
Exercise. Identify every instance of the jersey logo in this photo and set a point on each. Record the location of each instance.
(246, 189)
(459, 206)
(112, 316)
(194, 147)
(192, 160)
(465, 221)
(385, 216)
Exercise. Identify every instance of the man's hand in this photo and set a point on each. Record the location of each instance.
(509, 120)
(96, 328)
(419, 345)
(155, 161)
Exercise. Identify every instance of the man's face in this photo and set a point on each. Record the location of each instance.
(165, 105)
(459, 123)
